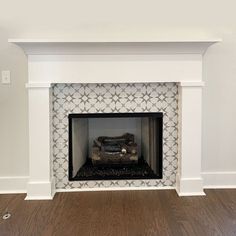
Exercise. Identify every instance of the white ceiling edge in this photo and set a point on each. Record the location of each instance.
(76, 47)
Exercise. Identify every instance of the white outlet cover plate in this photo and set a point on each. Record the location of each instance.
(6, 77)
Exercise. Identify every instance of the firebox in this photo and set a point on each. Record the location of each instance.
(111, 146)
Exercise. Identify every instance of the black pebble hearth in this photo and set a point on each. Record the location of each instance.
(141, 170)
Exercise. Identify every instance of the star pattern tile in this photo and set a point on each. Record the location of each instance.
(114, 98)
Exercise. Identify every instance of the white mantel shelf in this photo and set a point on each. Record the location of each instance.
(76, 47)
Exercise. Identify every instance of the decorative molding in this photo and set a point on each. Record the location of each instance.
(39, 197)
(40, 190)
(182, 84)
(189, 186)
(219, 179)
(190, 194)
(77, 47)
(192, 84)
(32, 85)
(91, 40)
(13, 184)
(116, 189)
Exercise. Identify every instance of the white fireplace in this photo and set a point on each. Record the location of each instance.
(61, 62)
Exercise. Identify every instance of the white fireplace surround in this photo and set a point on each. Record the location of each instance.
(73, 61)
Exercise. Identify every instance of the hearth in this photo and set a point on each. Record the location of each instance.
(106, 146)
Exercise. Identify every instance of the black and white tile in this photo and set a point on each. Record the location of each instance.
(108, 98)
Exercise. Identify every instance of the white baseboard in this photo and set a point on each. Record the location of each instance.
(219, 179)
(43, 197)
(189, 186)
(114, 189)
(13, 184)
(40, 190)
(211, 180)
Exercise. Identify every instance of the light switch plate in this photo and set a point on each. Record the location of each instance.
(6, 77)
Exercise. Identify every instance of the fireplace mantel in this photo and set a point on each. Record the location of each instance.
(124, 61)
(77, 47)
(74, 61)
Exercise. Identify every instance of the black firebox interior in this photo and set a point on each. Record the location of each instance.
(111, 146)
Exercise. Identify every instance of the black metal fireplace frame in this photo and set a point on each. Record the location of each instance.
(158, 115)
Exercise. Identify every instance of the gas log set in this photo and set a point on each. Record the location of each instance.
(115, 157)
(114, 150)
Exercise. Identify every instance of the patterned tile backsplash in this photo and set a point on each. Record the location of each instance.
(108, 98)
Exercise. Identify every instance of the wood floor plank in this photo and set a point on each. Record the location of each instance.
(121, 213)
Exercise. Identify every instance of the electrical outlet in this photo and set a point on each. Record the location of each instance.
(6, 77)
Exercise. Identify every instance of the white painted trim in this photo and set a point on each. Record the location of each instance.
(32, 85)
(190, 194)
(14, 191)
(220, 179)
(114, 189)
(91, 40)
(122, 46)
(188, 179)
(219, 187)
(39, 197)
(40, 190)
(182, 84)
(189, 186)
(38, 85)
(192, 84)
(13, 184)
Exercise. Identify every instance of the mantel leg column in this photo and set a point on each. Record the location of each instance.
(189, 180)
(41, 183)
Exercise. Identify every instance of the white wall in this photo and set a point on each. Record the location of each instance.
(13, 112)
(134, 18)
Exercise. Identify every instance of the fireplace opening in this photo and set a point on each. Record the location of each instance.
(109, 146)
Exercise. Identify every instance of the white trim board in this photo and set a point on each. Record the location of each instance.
(219, 179)
(122, 46)
(114, 189)
(39, 198)
(13, 184)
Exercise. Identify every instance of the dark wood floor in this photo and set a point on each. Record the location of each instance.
(121, 213)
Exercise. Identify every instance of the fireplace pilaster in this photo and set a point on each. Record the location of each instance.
(189, 180)
(41, 182)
